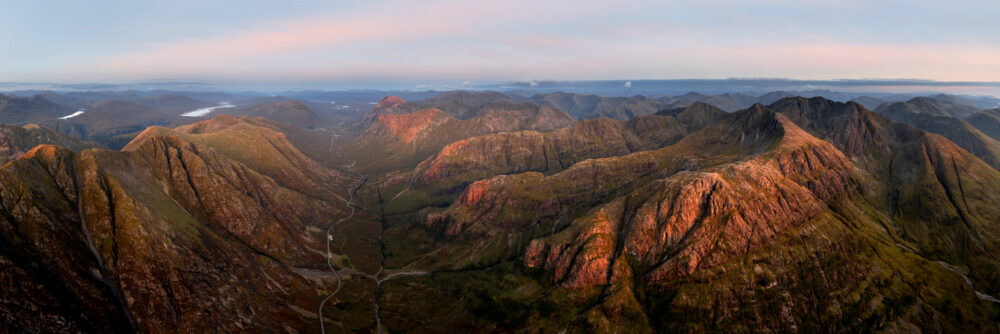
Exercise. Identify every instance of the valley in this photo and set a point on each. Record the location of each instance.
(488, 212)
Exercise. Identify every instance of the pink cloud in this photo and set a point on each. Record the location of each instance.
(456, 40)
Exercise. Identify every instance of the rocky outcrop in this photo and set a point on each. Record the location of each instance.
(516, 204)
(406, 128)
(697, 220)
(403, 140)
(514, 152)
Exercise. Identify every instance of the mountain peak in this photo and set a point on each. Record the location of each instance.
(406, 127)
(390, 101)
(46, 151)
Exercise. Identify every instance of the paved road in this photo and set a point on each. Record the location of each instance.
(329, 255)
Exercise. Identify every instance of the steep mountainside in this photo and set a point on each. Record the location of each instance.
(958, 131)
(499, 215)
(987, 121)
(395, 140)
(259, 145)
(18, 140)
(938, 196)
(751, 211)
(168, 236)
(668, 126)
(443, 175)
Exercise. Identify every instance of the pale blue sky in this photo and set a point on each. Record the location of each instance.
(447, 40)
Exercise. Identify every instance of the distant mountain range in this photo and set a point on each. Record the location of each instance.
(498, 212)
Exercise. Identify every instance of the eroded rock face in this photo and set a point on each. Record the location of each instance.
(258, 145)
(407, 127)
(249, 205)
(404, 140)
(51, 279)
(389, 102)
(689, 221)
(170, 236)
(515, 152)
(519, 206)
(388, 105)
(670, 227)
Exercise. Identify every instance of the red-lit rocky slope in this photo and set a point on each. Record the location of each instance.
(181, 232)
(479, 213)
(754, 221)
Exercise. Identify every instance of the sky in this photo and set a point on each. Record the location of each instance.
(433, 41)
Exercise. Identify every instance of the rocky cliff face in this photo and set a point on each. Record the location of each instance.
(403, 140)
(406, 128)
(697, 220)
(477, 158)
(168, 236)
(513, 152)
(503, 205)
(753, 213)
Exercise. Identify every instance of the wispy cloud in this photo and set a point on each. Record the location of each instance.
(459, 40)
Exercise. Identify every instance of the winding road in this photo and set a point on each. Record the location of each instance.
(329, 253)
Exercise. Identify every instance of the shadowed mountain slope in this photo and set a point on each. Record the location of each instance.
(18, 140)
(987, 121)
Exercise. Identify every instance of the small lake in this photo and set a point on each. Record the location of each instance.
(205, 111)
